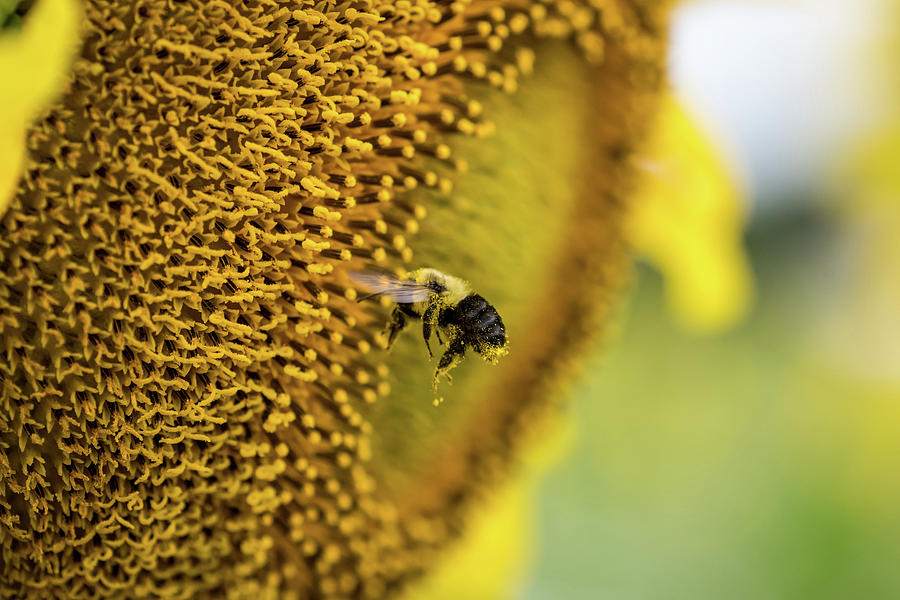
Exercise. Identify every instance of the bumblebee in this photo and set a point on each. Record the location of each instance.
(447, 307)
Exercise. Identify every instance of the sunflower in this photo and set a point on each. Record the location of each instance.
(192, 402)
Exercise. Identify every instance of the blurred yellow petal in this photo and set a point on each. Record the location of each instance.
(33, 67)
(686, 220)
(12, 156)
(862, 330)
(497, 549)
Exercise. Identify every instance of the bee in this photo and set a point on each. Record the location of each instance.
(447, 307)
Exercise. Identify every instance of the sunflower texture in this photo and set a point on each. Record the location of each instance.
(192, 403)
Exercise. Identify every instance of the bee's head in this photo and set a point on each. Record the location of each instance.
(436, 287)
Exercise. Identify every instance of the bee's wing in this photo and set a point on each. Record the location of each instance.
(398, 290)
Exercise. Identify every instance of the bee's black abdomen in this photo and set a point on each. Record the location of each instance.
(478, 321)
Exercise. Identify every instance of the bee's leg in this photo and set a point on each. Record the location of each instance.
(426, 333)
(428, 319)
(435, 322)
(408, 311)
(398, 321)
(395, 325)
(450, 359)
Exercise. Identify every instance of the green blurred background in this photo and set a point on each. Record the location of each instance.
(762, 461)
(740, 466)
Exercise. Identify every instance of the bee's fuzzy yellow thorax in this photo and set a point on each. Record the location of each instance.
(457, 288)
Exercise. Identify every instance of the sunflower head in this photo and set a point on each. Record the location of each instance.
(192, 402)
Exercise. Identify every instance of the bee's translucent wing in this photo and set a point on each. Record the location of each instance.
(398, 290)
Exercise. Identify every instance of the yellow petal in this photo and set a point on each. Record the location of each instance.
(686, 220)
(12, 156)
(33, 67)
(869, 215)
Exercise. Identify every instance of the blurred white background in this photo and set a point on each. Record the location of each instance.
(784, 85)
